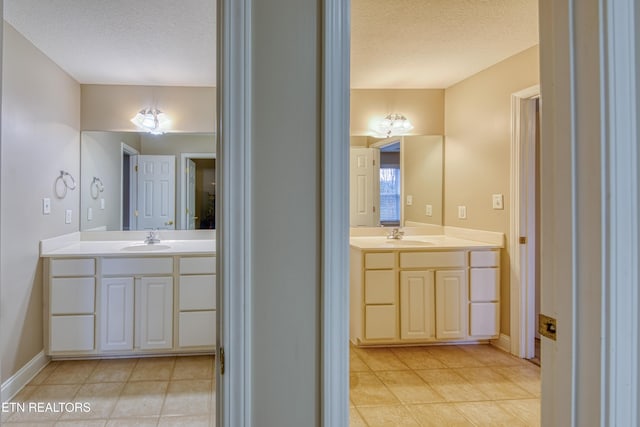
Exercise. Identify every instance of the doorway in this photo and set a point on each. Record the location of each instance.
(198, 191)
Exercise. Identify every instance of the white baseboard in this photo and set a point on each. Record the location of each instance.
(503, 343)
(21, 378)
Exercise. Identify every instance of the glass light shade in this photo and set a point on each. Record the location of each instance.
(153, 121)
(393, 125)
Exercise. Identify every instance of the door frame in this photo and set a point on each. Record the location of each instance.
(182, 168)
(571, 390)
(133, 187)
(522, 256)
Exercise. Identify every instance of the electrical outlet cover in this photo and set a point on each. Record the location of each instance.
(462, 212)
(68, 214)
(497, 201)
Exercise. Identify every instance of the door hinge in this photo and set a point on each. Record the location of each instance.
(221, 359)
(374, 162)
(136, 168)
(374, 208)
(135, 213)
(547, 326)
(523, 240)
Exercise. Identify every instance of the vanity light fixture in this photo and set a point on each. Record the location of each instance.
(151, 120)
(392, 125)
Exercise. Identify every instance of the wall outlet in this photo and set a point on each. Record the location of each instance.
(102, 203)
(428, 211)
(89, 214)
(462, 212)
(46, 206)
(498, 201)
(409, 200)
(68, 214)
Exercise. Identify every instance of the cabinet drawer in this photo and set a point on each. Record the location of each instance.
(379, 287)
(126, 266)
(197, 328)
(72, 333)
(431, 259)
(72, 295)
(380, 322)
(379, 260)
(484, 319)
(484, 258)
(198, 292)
(198, 265)
(484, 284)
(73, 267)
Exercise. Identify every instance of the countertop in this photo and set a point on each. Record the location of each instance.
(420, 242)
(132, 248)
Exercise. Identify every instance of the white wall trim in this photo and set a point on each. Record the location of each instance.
(620, 212)
(491, 237)
(183, 182)
(127, 149)
(335, 214)
(503, 343)
(17, 381)
(521, 317)
(234, 213)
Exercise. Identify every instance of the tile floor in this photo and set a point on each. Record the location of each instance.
(466, 385)
(161, 391)
(439, 386)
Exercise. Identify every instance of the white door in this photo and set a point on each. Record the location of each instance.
(451, 304)
(191, 194)
(156, 192)
(417, 305)
(364, 187)
(155, 315)
(116, 313)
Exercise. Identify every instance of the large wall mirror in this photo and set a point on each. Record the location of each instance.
(396, 181)
(133, 181)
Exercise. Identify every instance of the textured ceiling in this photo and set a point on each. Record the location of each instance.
(142, 42)
(435, 43)
(395, 43)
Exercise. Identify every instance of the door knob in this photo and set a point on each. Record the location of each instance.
(168, 222)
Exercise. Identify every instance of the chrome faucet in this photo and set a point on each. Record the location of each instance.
(395, 233)
(152, 237)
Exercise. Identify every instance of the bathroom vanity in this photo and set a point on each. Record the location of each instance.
(126, 298)
(423, 289)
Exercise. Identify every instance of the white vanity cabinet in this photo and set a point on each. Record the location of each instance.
(197, 302)
(70, 307)
(484, 294)
(412, 296)
(116, 306)
(136, 304)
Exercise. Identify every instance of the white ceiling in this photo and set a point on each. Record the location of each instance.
(395, 43)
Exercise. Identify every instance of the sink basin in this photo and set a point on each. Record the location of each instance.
(404, 242)
(145, 248)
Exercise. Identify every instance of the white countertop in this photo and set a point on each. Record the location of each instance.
(420, 242)
(131, 248)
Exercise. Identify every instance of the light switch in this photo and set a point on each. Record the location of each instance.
(409, 200)
(89, 214)
(462, 212)
(102, 203)
(46, 206)
(498, 201)
(68, 214)
(428, 211)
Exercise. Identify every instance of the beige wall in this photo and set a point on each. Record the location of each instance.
(423, 107)
(100, 155)
(422, 177)
(477, 149)
(111, 107)
(40, 137)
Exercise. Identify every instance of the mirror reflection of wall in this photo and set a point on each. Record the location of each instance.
(160, 199)
(396, 181)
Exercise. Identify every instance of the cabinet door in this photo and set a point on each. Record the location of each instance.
(116, 314)
(417, 305)
(156, 313)
(380, 322)
(451, 304)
